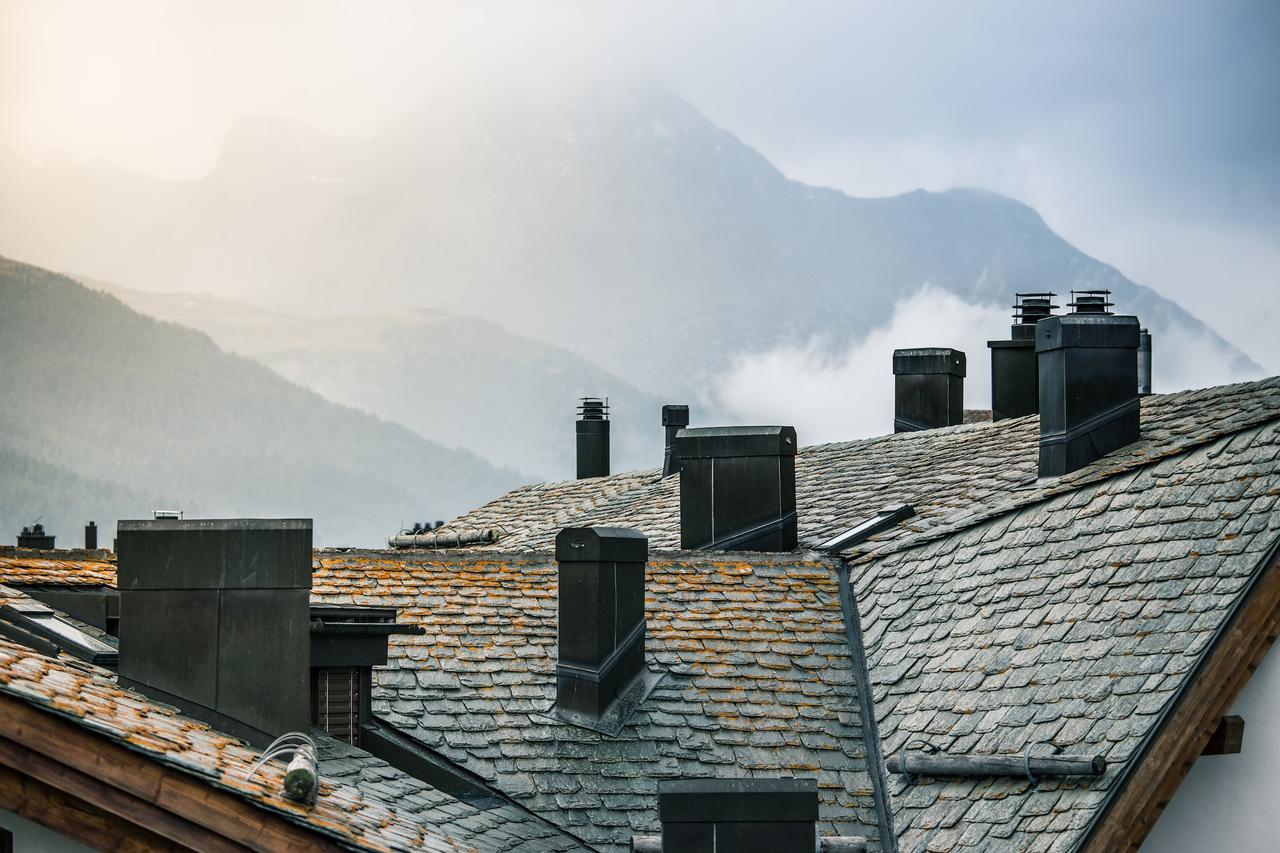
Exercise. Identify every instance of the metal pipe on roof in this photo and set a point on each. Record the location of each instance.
(446, 538)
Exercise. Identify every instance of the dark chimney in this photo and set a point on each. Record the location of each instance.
(1088, 363)
(1014, 378)
(674, 419)
(214, 618)
(35, 537)
(742, 815)
(1144, 363)
(738, 488)
(601, 619)
(90, 536)
(928, 388)
(593, 437)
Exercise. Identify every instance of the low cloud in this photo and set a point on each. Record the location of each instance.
(836, 396)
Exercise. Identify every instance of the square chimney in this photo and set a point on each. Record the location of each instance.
(1015, 389)
(601, 627)
(738, 488)
(928, 388)
(1088, 366)
(214, 618)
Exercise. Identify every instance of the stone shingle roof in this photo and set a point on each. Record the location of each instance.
(26, 567)
(759, 681)
(1075, 618)
(362, 803)
(945, 474)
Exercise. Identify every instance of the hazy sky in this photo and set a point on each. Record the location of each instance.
(1148, 133)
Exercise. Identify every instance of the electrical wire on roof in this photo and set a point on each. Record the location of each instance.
(301, 777)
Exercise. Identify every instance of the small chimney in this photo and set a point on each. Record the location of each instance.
(601, 620)
(737, 488)
(1014, 378)
(1144, 363)
(1088, 364)
(35, 537)
(593, 437)
(928, 388)
(743, 815)
(91, 536)
(214, 618)
(674, 419)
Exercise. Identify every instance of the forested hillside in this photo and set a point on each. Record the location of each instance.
(136, 413)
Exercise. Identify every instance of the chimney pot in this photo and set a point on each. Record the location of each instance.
(593, 437)
(928, 388)
(91, 536)
(35, 537)
(1014, 377)
(1088, 367)
(1144, 363)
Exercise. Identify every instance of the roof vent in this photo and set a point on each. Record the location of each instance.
(35, 537)
(215, 618)
(928, 388)
(600, 668)
(593, 437)
(1088, 366)
(743, 815)
(737, 488)
(1014, 380)
(674, 419)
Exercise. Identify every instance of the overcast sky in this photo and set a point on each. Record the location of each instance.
(1148, 133)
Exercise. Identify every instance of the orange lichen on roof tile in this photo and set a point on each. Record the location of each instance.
(26, 567)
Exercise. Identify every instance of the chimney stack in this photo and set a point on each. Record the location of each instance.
(214, 618)
(1144, 363)
(1014, 378)
(674, 419)
(737, 488)
(742, 815)
(601, 620)
(1088, 365)
(91, 536)
(593, 437)
(35, 537)
(928, 388)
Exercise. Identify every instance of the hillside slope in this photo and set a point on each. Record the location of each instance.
(159, 411)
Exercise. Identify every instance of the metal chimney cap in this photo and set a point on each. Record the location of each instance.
(601, 544)
(734, 442)
(1087, 331)
(593, 408)
(675, 415)
(737, 800)
(928, 360)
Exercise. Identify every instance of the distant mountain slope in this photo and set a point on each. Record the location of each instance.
(618, 223)
(459, 381)
(91, 387)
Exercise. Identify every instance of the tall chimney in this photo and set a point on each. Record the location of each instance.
(601, 618)
(90, 536)
(737, 488)
(1014, 378)
(1144, 363)
(756, 815)
(928, 388)
(214, 618)
(674, 419)
(1088, 363)
(593, 437)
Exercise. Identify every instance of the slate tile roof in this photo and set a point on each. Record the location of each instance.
(357, 817)
(945, 474)
(760, 681)
(26, 567)
(1075, 618)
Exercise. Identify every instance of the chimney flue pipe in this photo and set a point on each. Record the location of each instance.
(674, 419)
(91, 536)
(593, 437)
(1014, 377)
(1144, 363)
(928, 388)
